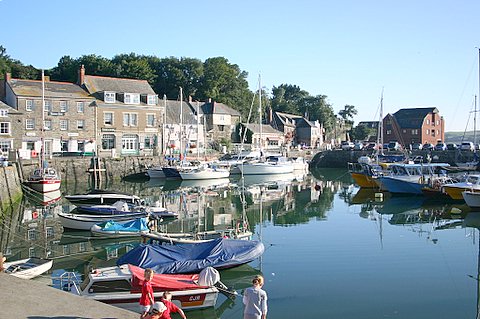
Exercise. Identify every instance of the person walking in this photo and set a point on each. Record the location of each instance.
(255, 300)
(146, 300)
(171, 307)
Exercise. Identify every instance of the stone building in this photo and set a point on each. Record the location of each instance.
(11, 128)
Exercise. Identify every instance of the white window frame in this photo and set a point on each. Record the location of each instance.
(3, 113)
(47, 125)
(130, 119)
(5, 128)
(29, 104)
(132, 98)
(63, 106)
(151, 99)
(29, 124)
(109, 97)
(80, 107)
(105, 118)
(150, 118)
(63, 125)
(47, 107)
(80, 124)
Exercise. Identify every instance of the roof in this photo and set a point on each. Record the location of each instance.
(10, 109)
(96, 84)
(305, 123)
(218, 108)
(266, 129)
(173, 110)
(286, 119)
(413, 117)
(33, 88)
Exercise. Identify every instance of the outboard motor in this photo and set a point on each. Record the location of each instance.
(211, 277)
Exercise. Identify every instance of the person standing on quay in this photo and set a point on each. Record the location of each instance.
(255, 300)
(146, 300)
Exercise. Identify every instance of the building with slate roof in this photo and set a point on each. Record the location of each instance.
(220, 120)
(128, 114)
(270, 138)
(414, 125)
(69, 118)
(297, 129)
(11, 129)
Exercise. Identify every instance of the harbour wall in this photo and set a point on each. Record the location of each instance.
(341, 158)
(10, 186)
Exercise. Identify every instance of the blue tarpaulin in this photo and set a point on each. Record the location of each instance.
(191, 258)
(139, 224)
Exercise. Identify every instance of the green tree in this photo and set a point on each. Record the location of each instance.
(347, 113)
(97, 65)
(362, 132)
(288, 98)
(133, 66)
(66, 70)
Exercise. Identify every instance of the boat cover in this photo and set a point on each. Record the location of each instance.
(163, 282)
(139, 224)
(190, 258)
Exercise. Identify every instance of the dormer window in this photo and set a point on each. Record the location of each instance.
(109, 97)
(151, 100)
(132, 98)
(3, 113)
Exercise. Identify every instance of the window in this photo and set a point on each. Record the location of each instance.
(428, 122)
(4, 127)
(64, 125)
(389, 132)
(29, 105)
(47, 125)
(48, 106)
(4, 147)
(109, 97)
(105, 286)
(63, 106)
(427, 132)
(108, 118)
(108, 141)
(404, 131)
(80, 107)
(64, 145)
(150, 119)
(50, 232)
(82, 246)
(152, 100)
(32, 234)
(221, 128)
(3, 113)
(29, 124)
(438, 122)
(132, 98)
(149, 142)
(80, 124)
(31, 252)
(414, 132)
(130, 119)
(129, 142)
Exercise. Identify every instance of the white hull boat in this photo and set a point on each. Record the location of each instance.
(102, 197)
(266, 168)
(121, 287)
(28, 268)
(85, 222)
(205, 173)
(472, 199)
(44, 181)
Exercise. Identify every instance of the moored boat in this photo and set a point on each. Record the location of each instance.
(111, 228)
(455, 190)
(28, 268)
(85, 222)
(99, 196)
(204, 172)
(271, 165)
(472, 199)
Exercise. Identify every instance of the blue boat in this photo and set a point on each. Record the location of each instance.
(191, 258)
(117, 229)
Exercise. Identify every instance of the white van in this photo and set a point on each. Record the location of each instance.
(467, 146)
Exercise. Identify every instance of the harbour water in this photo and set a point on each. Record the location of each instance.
(332, 250)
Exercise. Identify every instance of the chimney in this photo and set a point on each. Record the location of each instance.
(189, 99)
(81, 75)
(270, 115)
(8, 76)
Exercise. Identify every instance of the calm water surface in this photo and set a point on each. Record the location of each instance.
(332, 250)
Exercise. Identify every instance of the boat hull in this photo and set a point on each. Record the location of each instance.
(265, 168)
(455, 192)
(44, 185)
(364, 180)
(204, 174)
(42, 266)
(402, 186)
(85, 222)
(155, 172)
(472, 199)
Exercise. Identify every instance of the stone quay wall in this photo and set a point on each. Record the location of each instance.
(10, 186)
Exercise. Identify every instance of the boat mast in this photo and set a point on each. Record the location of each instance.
(198, 134)
(42, 137)
(380, 129)
(181, 124)
(260, 113)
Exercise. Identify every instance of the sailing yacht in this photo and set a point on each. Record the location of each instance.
(270, 164)
(44, 179)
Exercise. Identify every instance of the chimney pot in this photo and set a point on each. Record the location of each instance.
(81, 75)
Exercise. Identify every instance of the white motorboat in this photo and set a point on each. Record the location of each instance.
(100, 197)
(455, 190)
(271, 165)
(299, 164)
(200, 237)
(472, 199)
(28, 268)
(85, 222)
(44, 180)
(121, 287)
(204, 172)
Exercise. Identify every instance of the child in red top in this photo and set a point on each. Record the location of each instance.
(171, 307)
(146, 300)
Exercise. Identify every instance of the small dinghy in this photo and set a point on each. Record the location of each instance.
(28, 268)
(118, 229)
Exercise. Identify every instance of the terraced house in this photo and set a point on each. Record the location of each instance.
(128, 115)
(68, 116)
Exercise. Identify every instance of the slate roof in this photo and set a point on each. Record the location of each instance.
(267, 129)
(33, 88)
(95, 84)
(218, 108)
(188, 111)
(413, 117)
(283, 116)
(10, 109)
(305, 123)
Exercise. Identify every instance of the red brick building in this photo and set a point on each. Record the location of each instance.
(414, 125)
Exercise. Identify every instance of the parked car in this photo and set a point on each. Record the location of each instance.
(467, 146)
(428, 146)
(371, 146)
(452, 146)
(417, 146)
(347, 145)
(440, 146)
(394, 146)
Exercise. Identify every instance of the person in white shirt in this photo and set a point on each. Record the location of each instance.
(255, 300)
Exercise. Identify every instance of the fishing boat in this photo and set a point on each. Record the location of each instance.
(455, 190)
(85, 222)
(122, 287)
(364, 173)
(190, 258)
(99, 196)
(28, 268)
(111, 228)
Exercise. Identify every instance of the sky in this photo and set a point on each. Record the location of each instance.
(419, 53)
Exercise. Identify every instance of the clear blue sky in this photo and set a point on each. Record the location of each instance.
(421, 52)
